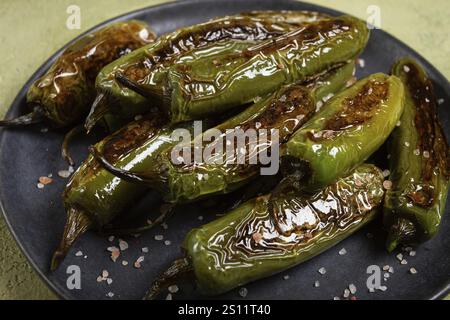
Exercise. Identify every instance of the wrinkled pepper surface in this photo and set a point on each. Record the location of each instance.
(212, 85)
(345, 132)
(64, 94)
(419, 163)
(249, 243)
(149, 64)
(286, 111)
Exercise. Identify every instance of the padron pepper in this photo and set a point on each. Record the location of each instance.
(419, 163)
(345, 132)
(64, 94)
(94, 197)
(232, 152)
(250, 243)
(149, 64)
(214, 84)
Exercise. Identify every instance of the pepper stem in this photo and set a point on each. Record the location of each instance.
(137, 87)
(98, 109)
(77, 224)
(402, 232)
(134, 177)
(148, 93)
(179, 267)
(65, 145)
(33, 117)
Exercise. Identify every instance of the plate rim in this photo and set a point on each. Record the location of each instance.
(441, 293)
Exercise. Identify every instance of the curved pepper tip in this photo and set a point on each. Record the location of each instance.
(57, 258)
(98, 110)
(77, 224)
(65, 153)
(178, 268)
(36, 116)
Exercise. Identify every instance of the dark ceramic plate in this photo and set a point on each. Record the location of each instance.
(36, 217)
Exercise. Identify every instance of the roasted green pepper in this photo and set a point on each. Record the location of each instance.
(94, 197)
(212, 85)
(284, 111)
(250, 243)
(345, 132)
(419, 163)
(149, 64)
(63, 95)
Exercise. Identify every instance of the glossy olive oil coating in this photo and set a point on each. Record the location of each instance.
(347, 130)
(249, 243)
(67, 90)
(286, 110)
(419, 163)
(148, 65)
(213, 85)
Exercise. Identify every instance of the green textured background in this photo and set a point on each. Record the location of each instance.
(30, 31)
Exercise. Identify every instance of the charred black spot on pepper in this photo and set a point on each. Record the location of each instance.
(295, 102)
(355, 110)
(430, 133)
(305, 34)
(419, 166)
(131, 137)
(361, 108)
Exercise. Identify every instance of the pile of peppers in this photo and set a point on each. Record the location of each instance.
(293, 71)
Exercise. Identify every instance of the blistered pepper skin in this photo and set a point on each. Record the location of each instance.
(286, 110)
(215, 84)
(347, 130)
(149, 64)
(126, 103)
(249, 243)
(67, 90)
(419, 163)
